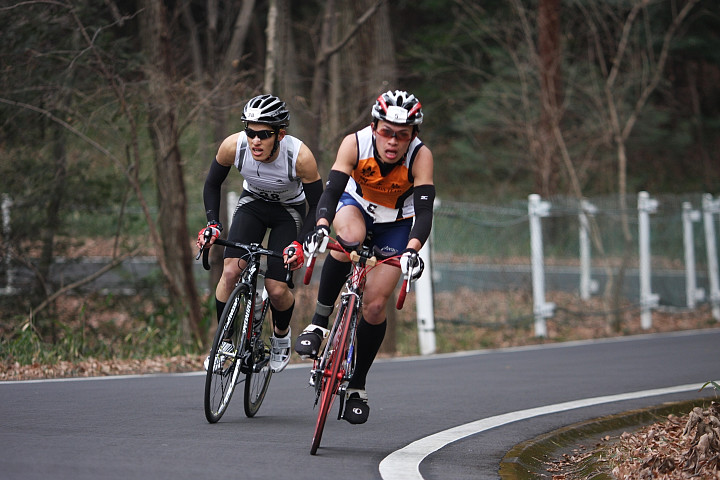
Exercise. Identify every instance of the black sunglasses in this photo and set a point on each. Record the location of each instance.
(261, 134)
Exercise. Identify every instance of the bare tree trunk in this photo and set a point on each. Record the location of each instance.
(621, 128)
(221, 72)
(289, 83)
(172, 200)
(237, 43)
(52, 217)
(271, 50)
(326, 49)
(548, 27)
(700, 140)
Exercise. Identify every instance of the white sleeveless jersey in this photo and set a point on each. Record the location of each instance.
(386, 198)
(276, 181)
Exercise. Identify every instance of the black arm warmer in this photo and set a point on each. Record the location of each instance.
(334, 187)
(211, 192)
(423, 198)
(313, 192)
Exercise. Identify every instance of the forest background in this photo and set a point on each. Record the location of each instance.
(111, 112)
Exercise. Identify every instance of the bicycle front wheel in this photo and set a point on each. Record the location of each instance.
(257, 380)
(226, 354)
(333, 373)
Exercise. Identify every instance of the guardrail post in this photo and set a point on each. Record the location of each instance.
(693, 294)
(588, 286)
(424, 303)
(648, 300)
(711, 207)
(9, 289)
(541, 309)
(231, 200)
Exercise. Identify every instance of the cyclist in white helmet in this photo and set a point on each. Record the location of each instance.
(380, 184)
(280, 175)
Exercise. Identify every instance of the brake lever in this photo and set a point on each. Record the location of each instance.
(289, 279)
(202, 250)
(289, 273)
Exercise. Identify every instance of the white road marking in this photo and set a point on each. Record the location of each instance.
(404, 464)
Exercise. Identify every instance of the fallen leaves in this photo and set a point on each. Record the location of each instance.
(92, 367)
(678, 448)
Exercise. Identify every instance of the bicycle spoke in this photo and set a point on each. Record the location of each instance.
(257, 379)
(224, 366)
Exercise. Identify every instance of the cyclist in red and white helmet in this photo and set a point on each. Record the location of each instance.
(381, 183)
(280, 175)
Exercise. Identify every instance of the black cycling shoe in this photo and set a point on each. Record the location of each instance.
(357, 409)
(308, 342)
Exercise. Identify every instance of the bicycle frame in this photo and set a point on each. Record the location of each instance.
(249, 353)
(332, 372)
(249, 276)
(362, 262)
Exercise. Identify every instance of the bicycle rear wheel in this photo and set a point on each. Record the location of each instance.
(257, 380)
(333, 372)
(224, 367)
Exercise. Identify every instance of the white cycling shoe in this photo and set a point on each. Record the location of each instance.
(280, 352)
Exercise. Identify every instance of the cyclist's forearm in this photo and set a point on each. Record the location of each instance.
(334, 188)
(211, 191)
(423, 198)
(313, 192)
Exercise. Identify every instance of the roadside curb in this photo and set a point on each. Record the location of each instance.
(528, 460)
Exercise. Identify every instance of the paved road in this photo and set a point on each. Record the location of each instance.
(154, 426)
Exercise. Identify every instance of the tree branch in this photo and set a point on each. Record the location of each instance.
(333, 49)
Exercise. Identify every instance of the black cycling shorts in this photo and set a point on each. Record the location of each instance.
(251, 221)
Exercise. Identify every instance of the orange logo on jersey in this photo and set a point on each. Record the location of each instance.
(386, 191)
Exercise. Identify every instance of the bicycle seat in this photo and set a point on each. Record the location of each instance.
(367, 246)
(348, 246)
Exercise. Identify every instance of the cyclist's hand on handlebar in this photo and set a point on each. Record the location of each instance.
(214, 233)
(316, 241)
(293, 255)
(411, 264)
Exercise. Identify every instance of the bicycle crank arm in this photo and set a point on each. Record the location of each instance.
(261, 364)
(341, 394)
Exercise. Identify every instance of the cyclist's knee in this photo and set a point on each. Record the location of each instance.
(279, 293)
(374, 311)
(229, 277)
(276, 289)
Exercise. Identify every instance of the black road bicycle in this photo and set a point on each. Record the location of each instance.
(241, 347)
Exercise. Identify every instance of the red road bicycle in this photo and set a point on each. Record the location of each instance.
(334, 366)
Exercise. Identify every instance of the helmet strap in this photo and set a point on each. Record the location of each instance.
(275, 145)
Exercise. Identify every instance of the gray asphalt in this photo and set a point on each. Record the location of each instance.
(154, 426)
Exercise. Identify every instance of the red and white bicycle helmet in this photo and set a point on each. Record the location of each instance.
(398, 107)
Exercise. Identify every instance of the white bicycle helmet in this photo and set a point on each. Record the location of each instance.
(398, 107)
(267, 109)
